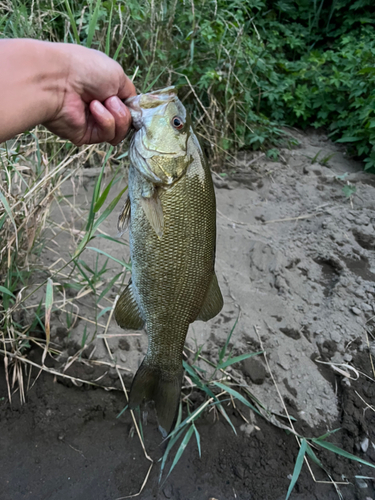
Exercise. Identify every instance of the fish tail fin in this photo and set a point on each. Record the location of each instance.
(154, 384)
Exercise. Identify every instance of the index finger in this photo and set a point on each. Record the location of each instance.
(126, 88)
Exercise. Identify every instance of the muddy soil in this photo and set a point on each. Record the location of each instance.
(67, 443)
(296, 264)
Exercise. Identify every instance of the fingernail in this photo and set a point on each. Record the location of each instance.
(98, 108)
(117, 104)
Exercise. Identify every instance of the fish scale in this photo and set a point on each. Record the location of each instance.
(173, 272)
(173, 280)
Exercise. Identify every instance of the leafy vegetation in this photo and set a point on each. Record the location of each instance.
(247, 68)
(34, 168)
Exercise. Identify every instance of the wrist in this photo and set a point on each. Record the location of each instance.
(51, 77)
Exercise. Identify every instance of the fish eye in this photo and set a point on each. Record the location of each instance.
(177, 122)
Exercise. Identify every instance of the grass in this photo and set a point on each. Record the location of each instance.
(196, 377)
(324, 161)
(246, 71)
(34, 173)
(139, 36)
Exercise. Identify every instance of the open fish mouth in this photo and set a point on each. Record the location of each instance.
(147, 101)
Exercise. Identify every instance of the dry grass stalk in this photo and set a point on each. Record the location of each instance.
(33, 171)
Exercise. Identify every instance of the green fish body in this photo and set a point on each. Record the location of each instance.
(172, 235)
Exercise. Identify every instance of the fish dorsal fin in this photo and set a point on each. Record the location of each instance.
(127, 312)
(213, 302)
(124, 218)
(153, 209)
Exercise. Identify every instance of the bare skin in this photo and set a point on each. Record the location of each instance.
(75, 92)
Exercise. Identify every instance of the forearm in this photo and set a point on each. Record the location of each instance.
(33, 77)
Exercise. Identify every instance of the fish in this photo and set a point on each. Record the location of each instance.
(171, 216)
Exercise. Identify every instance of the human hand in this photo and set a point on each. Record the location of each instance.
(91, 108)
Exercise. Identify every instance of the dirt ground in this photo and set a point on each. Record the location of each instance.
(296, 264)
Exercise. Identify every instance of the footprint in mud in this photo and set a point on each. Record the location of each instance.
(360, 267)
(365, 236)
(330, 276)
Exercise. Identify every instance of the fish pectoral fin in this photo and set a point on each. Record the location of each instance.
(213, 302)
(124, 218)
(127, 312)
(154, 212)
(154, 384)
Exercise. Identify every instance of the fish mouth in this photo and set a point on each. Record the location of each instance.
(133, 105)
(138, 103)
(151, 99)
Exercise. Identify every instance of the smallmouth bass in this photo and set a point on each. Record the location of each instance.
(171, 210)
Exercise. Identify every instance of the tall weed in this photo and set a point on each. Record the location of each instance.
(245, 68)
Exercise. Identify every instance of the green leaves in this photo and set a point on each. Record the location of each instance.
(72, 21)
(297, 467)
(237, 359)
(6, 291)
(173, 439)
(305, 448)
(199, 378)
(91, 21)
(256, 66)
(236, 395)
(181, 448)
(97, 201)
(349, 139)
(349, 190)
(339, 451)
(121, 262)
(93, 24)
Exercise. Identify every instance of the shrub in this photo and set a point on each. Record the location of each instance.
(247, 67)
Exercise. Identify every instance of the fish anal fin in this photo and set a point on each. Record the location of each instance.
(153, 209)
(127, 312)
(124, 217)
(151, 383)
(213, 302)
